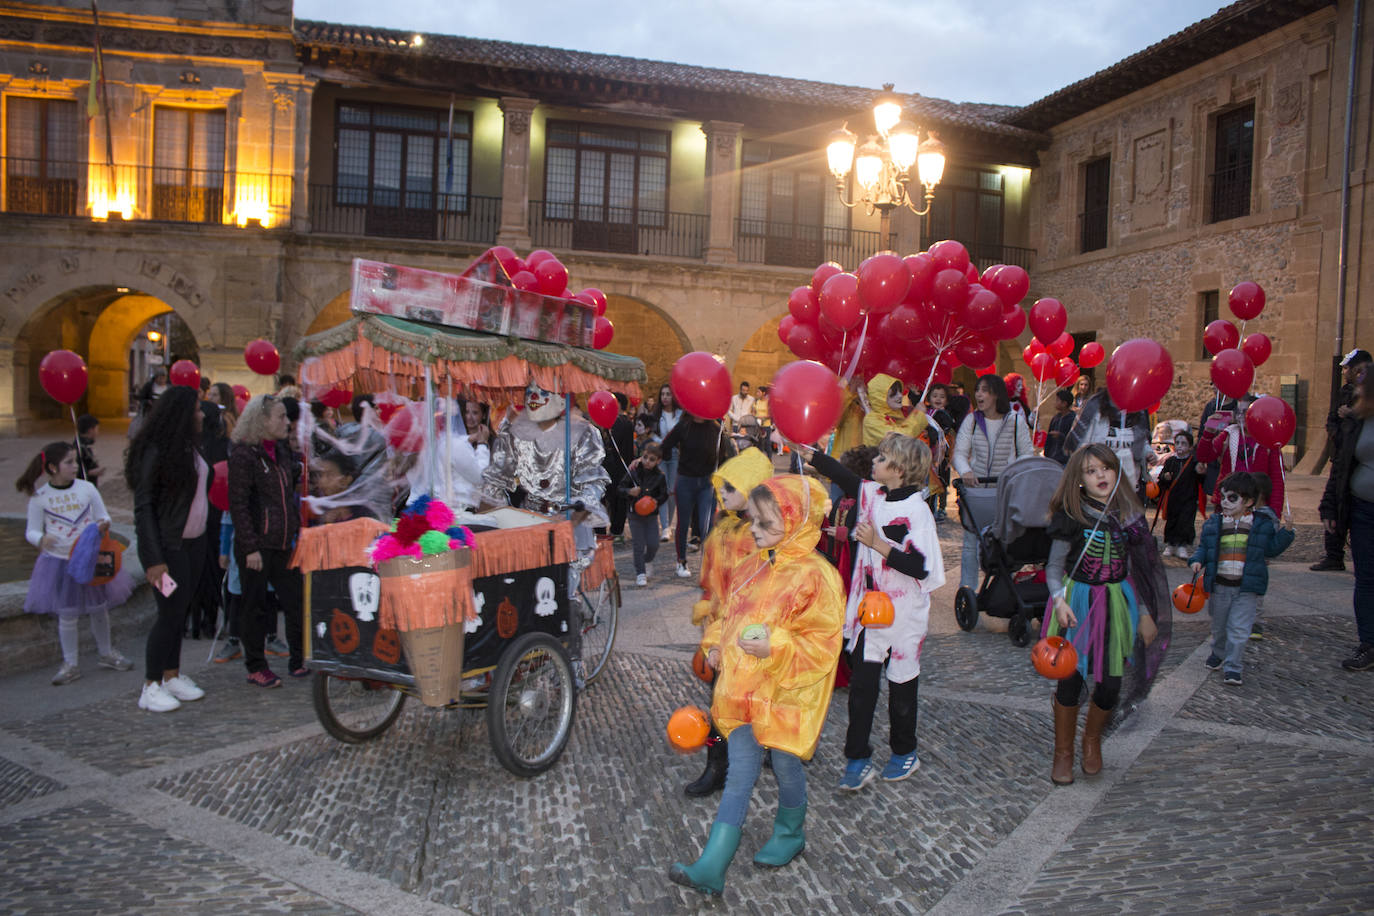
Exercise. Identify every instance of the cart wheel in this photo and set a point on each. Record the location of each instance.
(531, 704)
(600, 619)
(966, 608)
(354, 710)
(1019, 631)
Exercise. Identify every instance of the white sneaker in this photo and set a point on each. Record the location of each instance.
(155, 699)
(183, 688)
(641, 580)
(115, 662)
(66, 674)
(683, 572)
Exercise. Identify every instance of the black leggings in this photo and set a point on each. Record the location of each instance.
(1105, 694)
(184, 566)
(865, 682)
(253, 607)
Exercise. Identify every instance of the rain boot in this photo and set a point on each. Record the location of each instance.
(787, 840)
(707, 874)
(1065, 724)
(712, 779)
(1093, 724)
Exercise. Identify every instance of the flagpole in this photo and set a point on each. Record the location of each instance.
(103, 99)
(448, 177)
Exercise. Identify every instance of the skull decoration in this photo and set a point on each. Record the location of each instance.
(479, 601)
(365, 590)
(544, 603)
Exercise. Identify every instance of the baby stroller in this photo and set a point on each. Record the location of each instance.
(750, 433)
(1010, 521)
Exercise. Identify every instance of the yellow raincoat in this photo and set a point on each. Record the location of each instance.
(882, 419)
(730, 540)
(798, 595)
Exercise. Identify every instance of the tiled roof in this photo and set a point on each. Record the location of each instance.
(974, 117)
(1229, 28)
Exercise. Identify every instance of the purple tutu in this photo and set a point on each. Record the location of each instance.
(52, 591)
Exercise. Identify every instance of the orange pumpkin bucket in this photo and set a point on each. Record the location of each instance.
(646, 505)
(1190, 597)
(701, 668)
(1054, 658)
(876, 611)
(688, 727)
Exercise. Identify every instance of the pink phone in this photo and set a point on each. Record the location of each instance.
(167, 586)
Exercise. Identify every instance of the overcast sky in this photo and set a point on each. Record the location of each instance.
(991, 51)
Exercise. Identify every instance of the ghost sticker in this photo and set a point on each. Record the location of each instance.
(365, 590)
(544, 603)
(479, 600)
(322, 629)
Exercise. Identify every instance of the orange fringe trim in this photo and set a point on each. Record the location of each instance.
(425, 594)
(336, 546)
(511, 549)
(602, 566)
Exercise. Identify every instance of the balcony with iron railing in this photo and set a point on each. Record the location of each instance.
(42, 187)
(628, 230)
(761, 241)
(411, 214)
(1229, 190)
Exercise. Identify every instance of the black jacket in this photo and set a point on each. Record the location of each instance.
(159, 516)
(651, 483)
(700, 447)
(1335, 503)
(262, 498)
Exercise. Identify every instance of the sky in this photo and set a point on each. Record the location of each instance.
(1001, 51)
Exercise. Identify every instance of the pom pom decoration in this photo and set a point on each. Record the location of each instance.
(439, 516)
(410, 527)
(425, 529)
(432, 542)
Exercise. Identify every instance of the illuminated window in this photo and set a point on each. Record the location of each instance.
(43, 166)
(788, 199)
(607, 180)
(188, 164)
(968, 208)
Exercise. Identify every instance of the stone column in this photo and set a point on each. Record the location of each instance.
(515, 173)
(722, 189)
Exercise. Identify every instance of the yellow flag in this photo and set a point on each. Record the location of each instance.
(93, 93)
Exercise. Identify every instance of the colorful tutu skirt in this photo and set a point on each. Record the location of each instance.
(52, 591)
(1104, 636)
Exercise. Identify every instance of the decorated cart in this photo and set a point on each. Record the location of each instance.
(489, 623)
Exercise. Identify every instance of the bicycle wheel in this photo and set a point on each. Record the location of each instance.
(354, 710)
(531, 704)
(600, 619)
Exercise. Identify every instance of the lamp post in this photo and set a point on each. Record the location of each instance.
(882, 164)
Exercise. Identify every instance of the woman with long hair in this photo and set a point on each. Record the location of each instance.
(263, 501)
(221, 394)
(169, 479)
(665, 417)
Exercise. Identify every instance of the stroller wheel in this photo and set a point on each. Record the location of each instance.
(966, 608)
(1019, 631)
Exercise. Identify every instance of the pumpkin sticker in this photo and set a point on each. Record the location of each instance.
(507, 619)
(386, 646)
(343, 631)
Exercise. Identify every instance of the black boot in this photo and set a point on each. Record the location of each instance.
(712, 779)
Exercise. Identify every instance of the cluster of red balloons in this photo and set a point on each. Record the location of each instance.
(543, 273)
(62, 374)
(913, 318)
(1234, 360)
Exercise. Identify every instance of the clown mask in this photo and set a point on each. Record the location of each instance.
(542, 406)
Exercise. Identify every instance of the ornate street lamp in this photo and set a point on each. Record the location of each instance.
(882, 165)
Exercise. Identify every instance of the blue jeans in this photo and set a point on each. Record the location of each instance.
(694, 495)
(644, 531)
(1362, 555)
(1233, 614)
(746, 762)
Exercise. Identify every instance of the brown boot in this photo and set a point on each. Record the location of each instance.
(1065, 724)
(1092, 739)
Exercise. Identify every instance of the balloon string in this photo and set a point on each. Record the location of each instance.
(81, 465)
(858, 351)
(1283, 476)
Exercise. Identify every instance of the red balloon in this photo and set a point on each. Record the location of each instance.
(598, 299)
(1257, 347)
(1041, 437)
(805, 401)
(804, 305)
(241, 391)
(603, 408)
(971, 273)
(219, 487)
(1061, 347)
(510, 262)
(1091, 355)
(989, 370)
(602, 332)
(1139, 374)
(1220, 335)
(1011, 284)
(1065, 372)
(240, 403)
(1047, 319)
(840, 301)
(950, 290)
(949, 254)
(883, 282)
(900, 366)
(1270, 421)
(1032, 350)
(805, 341)
(184, 373)
(1043, 366)
(1013, 323)
(976, 351)
(62, 374)
(525, 280)
(336, 397)
(823, 273)
(1232, 373)
(403, 433)
(537, 257)
(904, 323)
(983, 312)
(262, 357)
(989, 274)
(1246, 300)
(701, 384)
(552, 277)
(785, 327)
(942, 374)
(921, 269)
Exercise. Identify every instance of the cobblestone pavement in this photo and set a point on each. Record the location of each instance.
(1214, 799)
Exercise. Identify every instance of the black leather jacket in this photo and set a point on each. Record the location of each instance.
(159, 516)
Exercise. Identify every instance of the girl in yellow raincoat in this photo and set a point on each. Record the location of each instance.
(886, 414)
(774, 648)
(729, 542)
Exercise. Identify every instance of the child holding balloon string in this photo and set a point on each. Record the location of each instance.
(644, 480)
(60, 513)
(1107, 588)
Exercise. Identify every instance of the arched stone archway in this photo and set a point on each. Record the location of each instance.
(762, 355)
(335, 312)
(107, 395)
(644, 331)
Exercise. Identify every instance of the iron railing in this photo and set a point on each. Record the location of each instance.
(1230, 192)
(987, 255)
(390, 213)
(1092, 229)
(630, 230)
(761, 241)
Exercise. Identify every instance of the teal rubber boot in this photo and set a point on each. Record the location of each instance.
(787, 840)
(707, 874)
